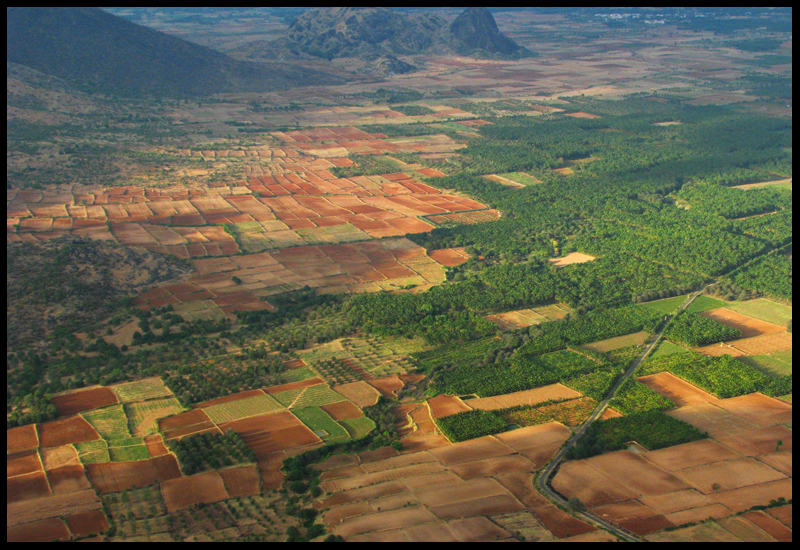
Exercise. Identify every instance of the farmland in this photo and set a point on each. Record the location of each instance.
(376, 310)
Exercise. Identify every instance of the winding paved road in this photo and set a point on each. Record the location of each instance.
(547, 474)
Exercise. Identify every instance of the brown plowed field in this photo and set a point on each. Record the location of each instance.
(696, 515)
(342, 410)
(748, 325)
(394, 519)
(84, 400)
(770, 525)
(669, 503)
(387, 385)
(739, 500)
(493, 467)
(64, 432)
(757, 345)
(67, 479)
(707, 417)
(449, 257)
(445, 405)
(114, 477)
(638, 474)
(87, 523)
(189, 418)
(41, 531)
(294, 385)
(155, 445)
(269, 433)
(479, 506)
(730, 474)
(27, 487)
(241, 481)
(477, 529)
(561, 524)
(758, 408)
(469, 451)
(25, 462)
(678, 391)
(55, 457)
(181, 493)
(744, 530)
(21, 439)
(59, 505)
(594, 487)
(528, 397)
(759, 441)
(690, 455)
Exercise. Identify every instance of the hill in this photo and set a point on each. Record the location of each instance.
(105, 53)
(375, 32)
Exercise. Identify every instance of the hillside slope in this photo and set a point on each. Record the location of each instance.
(102, 52)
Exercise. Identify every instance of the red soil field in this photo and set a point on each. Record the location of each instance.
(114, 477)
(342, 411)
(561, 524)
(444, 405)
(749, 326)
(180, 493)
(87, 523)
(394, 519)
(25, 462)
(21, 439)
(449, 257)
(196, 416)
(241, 481)
(387, 385)
(678, 391)
(205, 427)
(477, 529)
(772, 526)
(294, 385)
(782, 514)
(28, 511)
(41, 531)
(579, 479)
(84, 400)
(27, 487)
(266, 434)
(155, 445)
(67, 479)
(64, 432)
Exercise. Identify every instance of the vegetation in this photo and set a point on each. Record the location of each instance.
(722, 376)
(471, 424)
(208, 451)
(651, 429)
(696, 330)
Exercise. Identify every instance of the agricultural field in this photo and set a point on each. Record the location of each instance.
(522, 318)
(382, 328)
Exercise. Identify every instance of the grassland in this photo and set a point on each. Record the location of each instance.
(320, 422)
(700, 304)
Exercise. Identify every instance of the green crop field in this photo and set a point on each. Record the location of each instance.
(705, 303)
(143, 416)
(665, 306)
(319, 422)
(764, 310)
(251, 406)
(315, 396)
(286, 398)
(775, 364)
(142, 390)
(110, 422)
(667, 348)
(358, 427)
(127, 453)
(93, 452)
